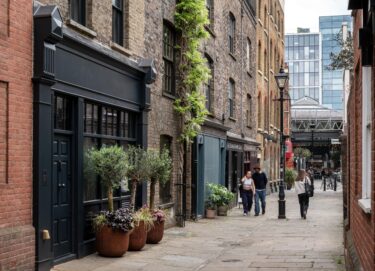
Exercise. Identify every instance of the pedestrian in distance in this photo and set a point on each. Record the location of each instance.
(247, 192)
(260, 181)
(301, 184)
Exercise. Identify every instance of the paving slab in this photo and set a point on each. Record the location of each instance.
(240, 243)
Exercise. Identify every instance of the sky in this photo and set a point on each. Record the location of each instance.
(305, 13)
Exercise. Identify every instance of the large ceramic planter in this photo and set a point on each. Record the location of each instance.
(138, 237)
(156, 233)
(111, 243)
(210, 213)
(222, 210)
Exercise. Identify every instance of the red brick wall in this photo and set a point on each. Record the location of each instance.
(16, 231)
(361, 228)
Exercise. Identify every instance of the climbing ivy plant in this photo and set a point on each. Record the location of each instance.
(190, 18)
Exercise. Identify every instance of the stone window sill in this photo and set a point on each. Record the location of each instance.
(210, 30)
(120, 49)
(232, 55)
(169, 96)
(232, 119)
(166, 205)
(365, 204)
(249, 74)
(81, 28)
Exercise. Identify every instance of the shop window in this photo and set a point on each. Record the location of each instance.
(78, 11)
(104, 125)
(165, 195)
(231, 33)
(169, 59)
(117, 22)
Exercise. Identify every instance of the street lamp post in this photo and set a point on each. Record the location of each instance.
(282, 80)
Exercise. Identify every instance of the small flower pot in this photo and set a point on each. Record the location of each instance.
(138, 237)
(210, 213)
(222, 210)
(112, 243)
(155, 235)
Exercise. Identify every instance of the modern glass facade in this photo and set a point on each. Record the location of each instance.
(302, 54)
(332, 81)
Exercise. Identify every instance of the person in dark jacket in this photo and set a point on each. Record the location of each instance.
(260, 181)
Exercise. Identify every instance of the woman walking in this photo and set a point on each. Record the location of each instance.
(247, 194)
(300, 185)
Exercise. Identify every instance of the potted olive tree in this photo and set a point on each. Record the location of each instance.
(137, 170)
(160, 168)
(112, 227)
(290, 177)
(155, 235)
(143, 222)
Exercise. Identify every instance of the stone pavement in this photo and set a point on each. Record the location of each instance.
(237, 243)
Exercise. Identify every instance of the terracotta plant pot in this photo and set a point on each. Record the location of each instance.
(222, 210)
(138, 237)
(110, 243)
(210, 213)
(156, 233)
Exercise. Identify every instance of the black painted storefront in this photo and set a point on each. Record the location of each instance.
(84, 96)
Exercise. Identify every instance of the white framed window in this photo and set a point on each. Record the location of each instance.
(365, 202)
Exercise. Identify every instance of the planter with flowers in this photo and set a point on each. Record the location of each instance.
(143, 222)
(221, 196)
(155, 235)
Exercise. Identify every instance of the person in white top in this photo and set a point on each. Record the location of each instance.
(300, 186)
(247, 191)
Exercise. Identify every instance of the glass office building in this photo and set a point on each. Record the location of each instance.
(302, 54)
(332, 81)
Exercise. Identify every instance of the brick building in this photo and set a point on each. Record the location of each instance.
(16, 230)
(226, 146)
(360, 201)
(91, 87)
(270, 57)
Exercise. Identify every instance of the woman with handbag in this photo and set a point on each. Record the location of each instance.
(303, 189)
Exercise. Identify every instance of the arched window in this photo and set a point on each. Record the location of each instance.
(259, 110)
(231, 97)
(259, 56)
(249, 110)
(209, 85)
(248, 55)
(265, 64)
(232, 33)
(265, 18)
(210, 12)
(271, 51)
(165, 194)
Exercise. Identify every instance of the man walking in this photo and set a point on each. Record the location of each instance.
(260, 181)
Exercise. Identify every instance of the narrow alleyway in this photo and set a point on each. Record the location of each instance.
(243, 243)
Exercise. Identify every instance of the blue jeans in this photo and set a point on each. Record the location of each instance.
(260, 195)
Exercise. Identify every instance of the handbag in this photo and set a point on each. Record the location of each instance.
(309, 189)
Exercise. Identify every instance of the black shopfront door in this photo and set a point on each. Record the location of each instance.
(62, 197)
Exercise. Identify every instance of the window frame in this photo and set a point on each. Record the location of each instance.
(209, 85)
(78, 11)
(118, 22)
(169, 60)
(232, 33)
(248, 54)
(210, 10)
(231, 97)
(169, 197)
(365, 201)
